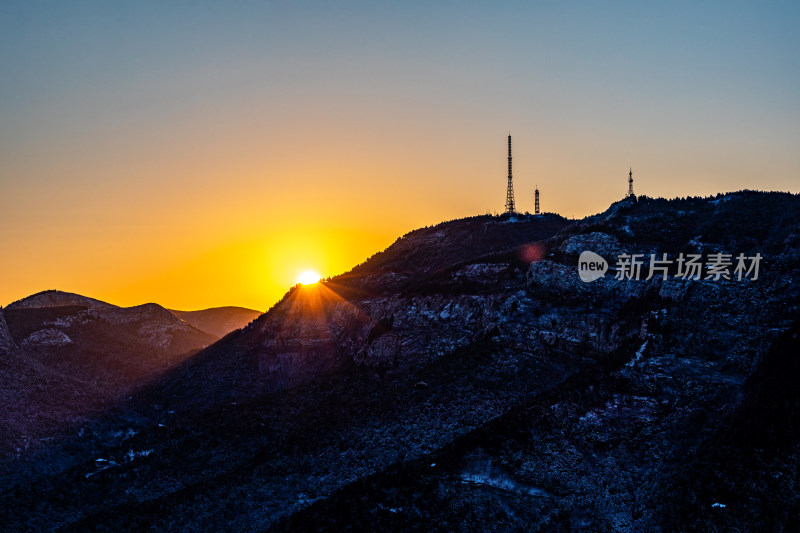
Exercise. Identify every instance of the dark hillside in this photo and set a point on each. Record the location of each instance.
(467, 379)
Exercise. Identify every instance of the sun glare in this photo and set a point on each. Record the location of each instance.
(308, 277)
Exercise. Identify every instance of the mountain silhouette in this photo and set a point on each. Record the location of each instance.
(218, 321)
(467, 379)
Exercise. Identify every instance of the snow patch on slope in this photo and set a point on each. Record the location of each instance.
(47, 337)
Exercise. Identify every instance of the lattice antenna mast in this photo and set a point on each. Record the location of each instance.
(536, 201)
(630, 182)
(510, 191)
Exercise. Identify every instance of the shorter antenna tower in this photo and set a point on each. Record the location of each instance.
(536, 201)
(630, 182)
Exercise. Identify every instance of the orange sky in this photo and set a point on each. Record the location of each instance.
(204, 157)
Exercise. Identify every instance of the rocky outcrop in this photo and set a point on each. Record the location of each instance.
(601, 243)
(46, 337)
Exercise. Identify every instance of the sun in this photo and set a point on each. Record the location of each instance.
(308, 277)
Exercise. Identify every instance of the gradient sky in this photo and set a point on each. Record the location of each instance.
(200, 154)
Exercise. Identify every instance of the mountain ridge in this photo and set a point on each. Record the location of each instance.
(57, 298)
(489, 386)
(218, 321)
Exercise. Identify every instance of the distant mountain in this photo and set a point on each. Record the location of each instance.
(53, 298)
(467, 379)
(71, 355)
(218, 321)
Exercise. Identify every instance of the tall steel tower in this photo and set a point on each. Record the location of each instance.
(510, 191)
(630, 182)
(536, 201)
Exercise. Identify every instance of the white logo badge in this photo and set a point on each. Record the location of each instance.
(591, 266)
